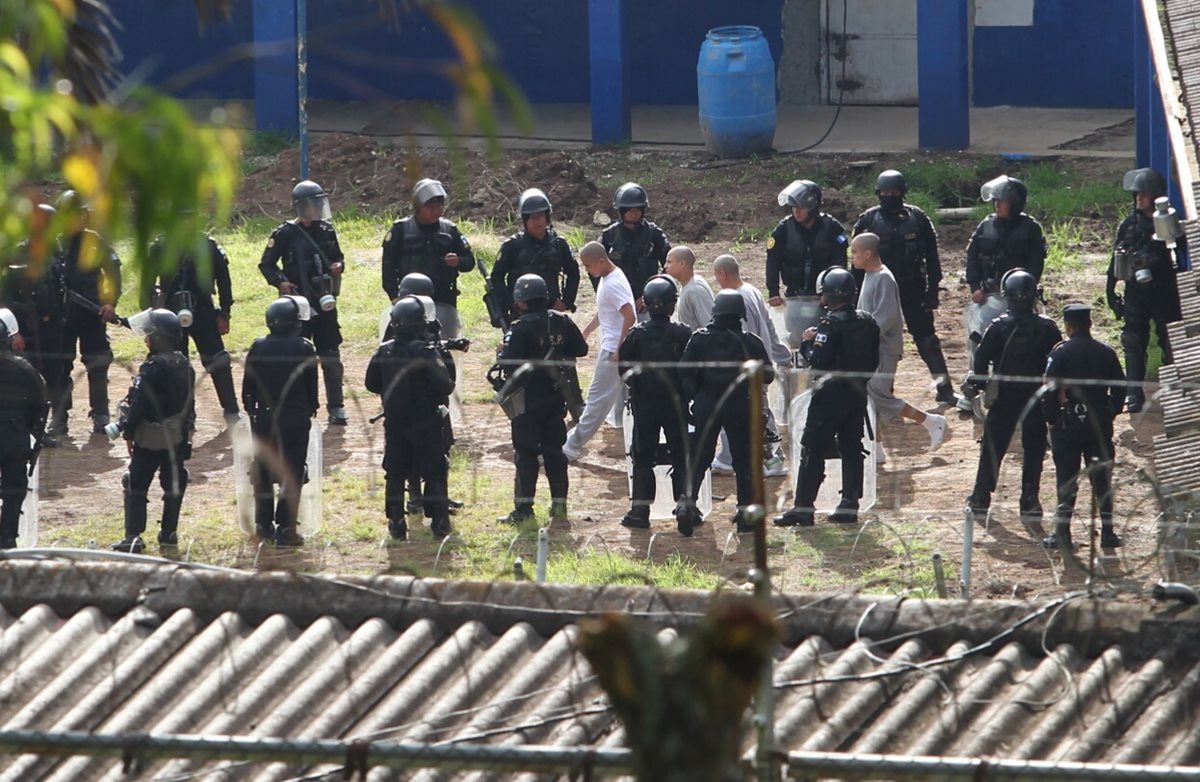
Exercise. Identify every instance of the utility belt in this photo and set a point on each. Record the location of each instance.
(161, 435)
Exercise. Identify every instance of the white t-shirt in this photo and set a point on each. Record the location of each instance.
(614, 292)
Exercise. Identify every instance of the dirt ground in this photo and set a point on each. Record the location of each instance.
(919, 507)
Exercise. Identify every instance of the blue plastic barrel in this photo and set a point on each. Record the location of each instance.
(736, 81)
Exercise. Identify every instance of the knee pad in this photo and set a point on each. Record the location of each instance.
(1131, 341)
(217, 361)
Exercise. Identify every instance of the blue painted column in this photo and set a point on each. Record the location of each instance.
(276, 67)
(611, 117)
(943, 75)
(1143, 87)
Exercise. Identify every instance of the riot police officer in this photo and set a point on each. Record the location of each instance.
(157, 418)
(908, 245)
(636, 245)
(414, 384)
(845, 341)
(1147, 270)
(539, 429)
(1015, 345)
(23, 408)
(1004, 240)
(35, 291)
(279, 392)
(1081, 422)
(713, 359)
(536, 250)
(802, 246)
(312, 267)
(429, 244)
(92, 272)
(188, 292)
(660, 406)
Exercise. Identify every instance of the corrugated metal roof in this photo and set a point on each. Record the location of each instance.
(167, 650)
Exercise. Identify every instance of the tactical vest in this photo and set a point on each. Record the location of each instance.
(633, 254)
(423, 252)
(1025, 346)
(900, 245)
(802, 263)
(540, 258)
(656, 345)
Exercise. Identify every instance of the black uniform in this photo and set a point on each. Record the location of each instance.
(433, 338)
(92, 270)
(281, 407)
(542, 429)
(1081, 420)
(908, 246)
(722, 340)
(22, 414)
(549, 258)
(641, 253)
(999, 245)
(660, 405)
(158, 416)
(1157, 300)
(191, 285)
(37, 297)
(414, 383)
(798, 255)
(1016, 344)
(307, 252)
(846, 341)
(413, 247)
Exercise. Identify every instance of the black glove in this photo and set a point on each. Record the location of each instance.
(1116, 304)
(932, 300)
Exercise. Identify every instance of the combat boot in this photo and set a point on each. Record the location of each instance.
(638, 517)
(558, 511)
(845, 513)
(518, 515)
(398, 529)
(1060, 538)
(1109, 538)
(796, 517)
(288, 537)
(133, 545)
(8, 543)
(1031, 507)
(743, 525)
(440, 527)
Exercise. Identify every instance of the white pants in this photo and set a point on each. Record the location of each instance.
(603, 392)
(882, 391)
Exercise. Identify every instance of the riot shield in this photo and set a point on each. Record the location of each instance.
(830, 494)
(978, 317)
(664, 499)
(242, 441)
(27, 527)
(385, 321)
(309, 517)
(797, 313)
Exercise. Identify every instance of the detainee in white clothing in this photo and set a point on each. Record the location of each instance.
(615, 316)
(880, 298)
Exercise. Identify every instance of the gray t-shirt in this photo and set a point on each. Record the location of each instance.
(880, 297)
(694, 309)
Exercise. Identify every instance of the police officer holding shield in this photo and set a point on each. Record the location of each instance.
(157, 419)
(636, 245)
(279, 392)
(23, 409)
(1145, 267)
(186, 287)
(845, 341)
(312, 266)
(660, 406)
(908, 245)
(1081, 422)
(536, 250)
(802, 246)
(427, 243)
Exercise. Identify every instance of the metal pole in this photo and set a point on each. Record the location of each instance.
(355, 755)
(302, 82)
(939, 577)
(543, 553)
(835, 765)
(964, 582)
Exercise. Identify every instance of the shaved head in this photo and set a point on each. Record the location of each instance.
(682, 254)
(592, 251)
(727, 265)
(867, 241)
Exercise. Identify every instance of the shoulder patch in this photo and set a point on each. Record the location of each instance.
(821, 337)
(770, 242)
(271, 242)
(842, 239)
(466, 244)
(387, 238)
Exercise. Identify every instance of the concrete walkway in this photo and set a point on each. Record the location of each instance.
(859, 129)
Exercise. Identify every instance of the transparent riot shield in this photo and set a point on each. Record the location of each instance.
(830, 494)
(309, 517)
(243, 486)
(456, 406)
(27, 527)
(799, 313)
(978, 317)
(664, 499)
(385, 320)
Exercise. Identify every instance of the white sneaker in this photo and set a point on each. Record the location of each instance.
(880, 455)
(936, 426)
(774, 468)
(720, 466)
(966, 405)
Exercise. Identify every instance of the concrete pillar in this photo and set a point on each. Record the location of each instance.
(943, 74)
(611, 116)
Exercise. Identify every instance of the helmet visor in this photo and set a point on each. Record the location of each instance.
(314, 208)
(430, 308)
(998, 189)
(303, 306)
(10, 321)
(141, 324)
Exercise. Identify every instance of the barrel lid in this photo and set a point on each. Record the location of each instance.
(732, 33)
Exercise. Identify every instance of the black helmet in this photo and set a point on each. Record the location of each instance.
(729, 302)
(1019, 288)
(891, 180)
(803, 194)
(1145, 180)
(408, 316)
(534, 201)
(630, 195)
(161, 326)
(530, 287)
(660, 295)
(416, 284)
(283, 317)
(310, 201)
(8, 328)
(1006, 188)
(837, 284)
